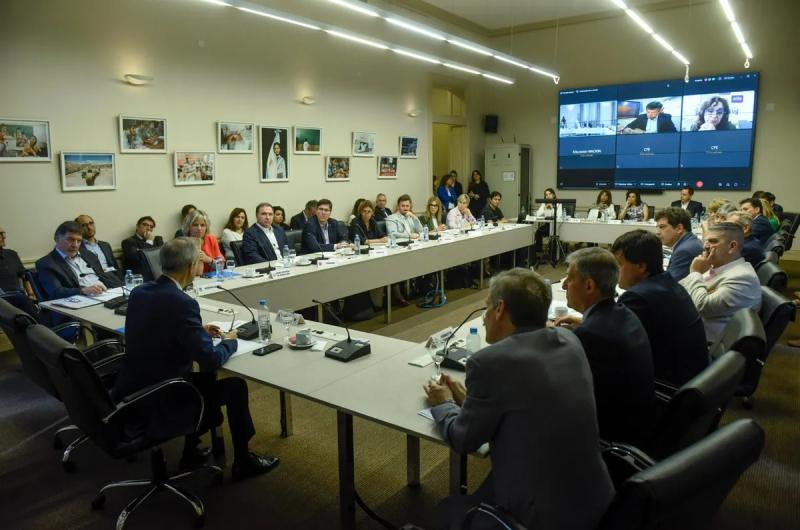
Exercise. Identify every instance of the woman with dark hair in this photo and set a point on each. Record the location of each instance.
(634, 209)
(459, 190)
(604, 203)
(713, 116)
(364, 225)
(234, 230)
(546, 210)
(478, 192)
(354, 213)
(446, 192)
(279, 217)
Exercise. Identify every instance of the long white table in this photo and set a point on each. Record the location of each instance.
(584, 231)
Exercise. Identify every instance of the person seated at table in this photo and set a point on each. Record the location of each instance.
(634, 209)
(12, 272)
(719, 213)
(767, 210)
(446, 193)
(321, 233)
(604, 203)
(65, 272)
(298, 221)
(762, 229)
(769, 198)
(674, 229)
(354, 212)
(234, 230)
(403, 223)
(526, 373)
(381, 211)
(460, 217)
(492, 212)
(263, 241)
(144, 237)
(101, 249)
(365, 227)
(616, 346)
(196, 225)
(692, 207)
(673, 325)
(752, 250)
(279, 217)
(478, 192)
(185, 211)
(546, 210)
(433, 216)
(165, 336)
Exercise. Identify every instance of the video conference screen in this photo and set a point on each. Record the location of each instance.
(659, 135)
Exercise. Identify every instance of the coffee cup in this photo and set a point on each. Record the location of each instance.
(249, 272)
(303, 337)
(561, 312)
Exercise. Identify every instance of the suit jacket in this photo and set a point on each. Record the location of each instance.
(313, 241)
(619, 355)
(257, 248)
(364, 233)
(59, 280)
(105, 248)
(164, 336)
(752, 251)
(298, 222)
(382, 213)
(719, 295)
(663, 123)
(694, 208)
(673, 325)
(130, 252)
(530, 396)
(684, 251)
(762, 229)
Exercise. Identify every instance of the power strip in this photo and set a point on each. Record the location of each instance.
(327, 335)
(216, 309)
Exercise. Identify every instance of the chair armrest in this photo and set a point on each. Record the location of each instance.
(133, 400)
(623, 460)
(100, 350)
(501, 517)
(107, 361)
(665, 387)
(74, 325)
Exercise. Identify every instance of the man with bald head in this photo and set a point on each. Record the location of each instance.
(101, 249)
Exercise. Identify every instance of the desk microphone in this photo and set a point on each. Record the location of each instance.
(246, 331)
(457, 359)
(345, 350)
(404, 229)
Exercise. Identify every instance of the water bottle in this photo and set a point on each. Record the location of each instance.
(219, 267)
(604, 215)
(392, 240)
(482, 223)
(287, 261)
(128, 282)
(473, 340)
(264, 324)
(425, 233)
(357, 245)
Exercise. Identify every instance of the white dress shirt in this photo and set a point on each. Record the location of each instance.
(85, 274)
(270, 233)
(97, 251)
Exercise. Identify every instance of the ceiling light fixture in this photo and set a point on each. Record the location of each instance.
(470, 47)
(642, 23)
(737, 31)
(137, 79)
(413, 27)
(355, 7)
(359, 40)
(498, 78)
(308, 100)
(218, 3)
(462, 68)
(418, 56)
(510, 61)
(277, 17)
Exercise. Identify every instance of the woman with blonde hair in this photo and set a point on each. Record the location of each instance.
(460, 216)
(196, 225)
(432, 218)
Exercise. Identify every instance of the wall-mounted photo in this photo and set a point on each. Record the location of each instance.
(363, 143)
(307, 140)
(274, 154)
(88, 172)
(387, 167)
(408, 146)
(142, 135)
(24, 140)
(235, 137)
(194, 168)
(337, 168)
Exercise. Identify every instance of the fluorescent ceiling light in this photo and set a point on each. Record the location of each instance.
(639, 20)
(620, 4)
(470, 47)
(357, 39)
(462, 68)
(659, 39)
(277, 17)
(510, 61)
(738, 32)
(542, 72)
(746, 50)
(415, 28)
(355, 7)
(218, 2)
(417, 56)
(498, 78)
(726, 7)
(680, 57)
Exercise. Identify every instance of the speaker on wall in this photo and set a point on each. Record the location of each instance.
(490, 123)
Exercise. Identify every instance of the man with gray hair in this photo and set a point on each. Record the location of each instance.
(616, 346)
(752, 251)
(165, 335)
(529, 394)
(720, 281)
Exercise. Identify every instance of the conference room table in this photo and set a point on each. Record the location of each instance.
(585, 231)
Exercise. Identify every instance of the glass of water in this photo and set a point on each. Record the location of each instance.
(286, 317)
(436, 351)
(229, 265)
(138, 280)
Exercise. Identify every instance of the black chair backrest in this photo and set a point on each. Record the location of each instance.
(776, 313)
(32, 275)
(569, 210)
(744, 333)
(238, 254)
(694, 410)
(686, 490)
(295, 239)
(777, 245)
(14, 322)
(151, 263)
(772, 257)
(773, 276)
(771, 239)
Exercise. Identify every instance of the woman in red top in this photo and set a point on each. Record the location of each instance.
(196, 225)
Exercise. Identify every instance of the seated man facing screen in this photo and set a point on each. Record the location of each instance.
(299, 220)
(321, 233)
(263, 241)
(492, 212)
(101, 249)
(403, 223)
(752, 250)
(144, 237)
(761, 227)
(165, 335)
(529, 394)
(673, 325)
(12, 272)
(674, 229)
(686, 203)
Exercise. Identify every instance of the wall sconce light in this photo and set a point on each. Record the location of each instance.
(308, 100)
(137, 79)
(413, 113)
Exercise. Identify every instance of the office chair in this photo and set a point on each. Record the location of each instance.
(295, 240)
(776, 244)
(772, 257)
(773, 276)
(238, 254)
(127, 426)
(151, 263)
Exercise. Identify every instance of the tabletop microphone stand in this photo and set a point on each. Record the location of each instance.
(344, 350)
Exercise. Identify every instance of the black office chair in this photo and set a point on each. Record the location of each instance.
(295, 239)
(238, 254)
(151, 263)
(776, 244)
(744, 333)
(686, 490)
(772, 257)
(124, 427)
(380, 226)
(773, 276)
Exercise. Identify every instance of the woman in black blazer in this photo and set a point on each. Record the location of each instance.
(365, 227)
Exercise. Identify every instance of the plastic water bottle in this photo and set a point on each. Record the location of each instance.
(482, 222)
(219, 267)
(264, 324)
(287, 261)
(473, 340)
(357, 244)
(425, 233)
(392, 240)
(128, 282)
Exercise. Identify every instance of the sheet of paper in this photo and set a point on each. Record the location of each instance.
(76, 302)
(226, 325)
(320, 345)
(245, 346)
(426, 413)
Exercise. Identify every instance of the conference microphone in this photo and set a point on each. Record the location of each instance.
(345, 350)
(246, 331)
(457, 359)
(403, 229)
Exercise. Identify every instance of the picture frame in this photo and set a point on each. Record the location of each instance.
(195, 168)
(25, 140)
(235, 137)
(88, 171)
(409, 146)
(363, 143)
(307, 140)
(142, 135)
(274, 165)
(337, 168)
(387, 167)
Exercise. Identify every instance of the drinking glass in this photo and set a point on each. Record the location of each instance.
(229, 265)
(138, 280)
(436, 351)
(286, 317)
(292, 256)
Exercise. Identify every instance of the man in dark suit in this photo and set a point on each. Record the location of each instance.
(299, 221)
(674, 229)
(616, 346)
(673, 325)
(165, 335)
(692, 207)
(144, 237)
(529, 394)
(762, 230)
(653, 120)
(12, 272)
(101, 249)
(752, 249)
(65, 272)
(381, 211)
(263, 241)
(322, 233)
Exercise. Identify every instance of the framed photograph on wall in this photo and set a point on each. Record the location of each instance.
(25, 140)
(337, 168)
(235, 137)
(363, 143)
(142, 135)
(307, 140)
(194, 168)
(274, 159)
(88, 171)
(408, 146)
(387, 167)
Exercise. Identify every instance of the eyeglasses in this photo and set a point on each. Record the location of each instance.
(433, 204)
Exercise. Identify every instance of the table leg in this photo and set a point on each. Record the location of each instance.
(347, 485)
(514, 258)
(388, 310)
(458, 473)
(480, 282)
(412, 461)
(320, 313)
(287, 424)
(441, 281)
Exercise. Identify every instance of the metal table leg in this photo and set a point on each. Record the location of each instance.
(458, 473)
(287, 423)
(480, 282)
(412, 461)
(347, 486)
(320, 313)
(388, 310)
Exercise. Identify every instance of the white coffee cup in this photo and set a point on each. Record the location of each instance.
(561, 311)
(249, 272)
(303, 337)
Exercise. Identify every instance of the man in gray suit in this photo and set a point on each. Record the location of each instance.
(529, 394)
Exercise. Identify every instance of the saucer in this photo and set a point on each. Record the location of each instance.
(302, 263)
(293, 346)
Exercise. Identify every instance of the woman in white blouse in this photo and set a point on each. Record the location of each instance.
(605, 204)
(234, 230)
(546, 208)
(460, 216)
